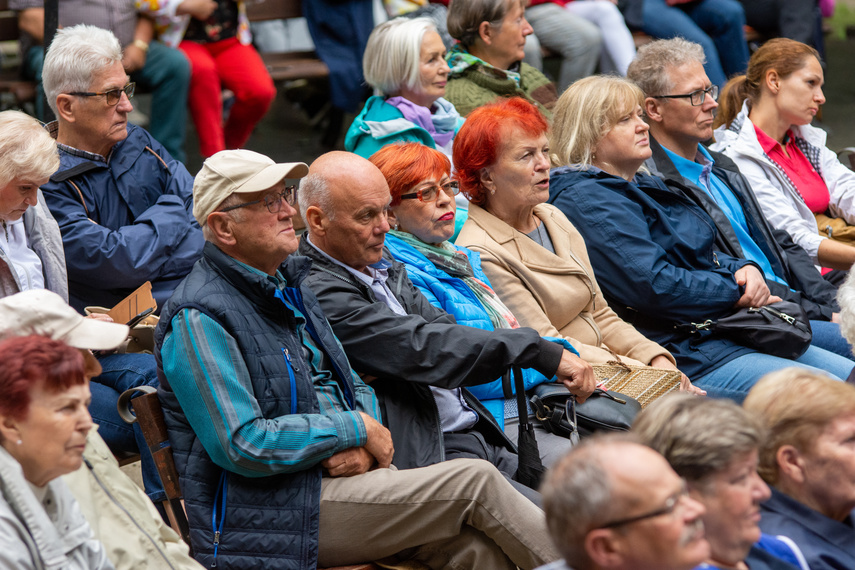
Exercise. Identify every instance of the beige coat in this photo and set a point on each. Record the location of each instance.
(555, 294)
(122, 517)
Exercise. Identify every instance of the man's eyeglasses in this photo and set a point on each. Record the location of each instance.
(273, 202)
(112, 97)
(431, 193)
(696, 97)
(670, 506)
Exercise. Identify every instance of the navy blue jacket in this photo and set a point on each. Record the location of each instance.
(141, 204)
(653, 252)
(271, 521)
(816, 295)
(827, 544)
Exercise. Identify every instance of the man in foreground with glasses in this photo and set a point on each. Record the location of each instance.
(613, 504)
(123, 204)
(680, 104)
(420, 360)
(274, 434)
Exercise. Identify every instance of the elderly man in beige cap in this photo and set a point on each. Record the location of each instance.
(275, 435)
(120, 514)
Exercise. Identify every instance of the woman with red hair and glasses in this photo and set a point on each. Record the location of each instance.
(422, 216)
(534, 257)
(44, 422)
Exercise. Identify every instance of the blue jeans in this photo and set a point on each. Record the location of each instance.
(827, 335)
(166, 74)
(119, 373)
(717, 25)
(734, 379)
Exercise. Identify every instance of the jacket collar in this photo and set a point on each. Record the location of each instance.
(122, 158)
(824, 528)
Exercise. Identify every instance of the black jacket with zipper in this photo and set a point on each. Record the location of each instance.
(409, 353)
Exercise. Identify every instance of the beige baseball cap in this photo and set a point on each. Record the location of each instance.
(237, 171)
(43, 312)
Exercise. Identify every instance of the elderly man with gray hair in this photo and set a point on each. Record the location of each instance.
(680, 101)
(713, 445)
(123, 204)
(614, 504)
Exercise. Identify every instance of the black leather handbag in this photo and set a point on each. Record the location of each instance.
(780, 329)
(604, 410)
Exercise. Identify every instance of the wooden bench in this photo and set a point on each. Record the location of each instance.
(292, 65)
(10, 78)
(145, 409)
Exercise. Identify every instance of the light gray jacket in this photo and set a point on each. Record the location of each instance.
(45, 240)
(33, 540)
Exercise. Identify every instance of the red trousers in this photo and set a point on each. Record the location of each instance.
(239, 68)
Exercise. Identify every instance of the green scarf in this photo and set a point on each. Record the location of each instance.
(459, 60)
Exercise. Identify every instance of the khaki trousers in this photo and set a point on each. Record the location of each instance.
(461, 514)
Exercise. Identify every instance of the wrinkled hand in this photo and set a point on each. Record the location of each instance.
(756, 291)
(379, 441)
(100, 317)
(133, 59)
(199, 9)
(350, 462)
(577, 375)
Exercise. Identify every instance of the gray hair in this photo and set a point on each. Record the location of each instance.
(26, 149)
(578, 496)
(392, 54)
(846, 300)
(314, 191)
(465, 17)
(699, 437)
(74, 56)
(649, 68)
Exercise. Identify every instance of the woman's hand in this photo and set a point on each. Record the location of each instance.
(756, 291)
(686, 385)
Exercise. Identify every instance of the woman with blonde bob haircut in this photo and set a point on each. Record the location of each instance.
(404, 62)
(652, 247)
(809, 460)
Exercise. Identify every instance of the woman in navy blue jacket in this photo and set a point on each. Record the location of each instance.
(652, 247)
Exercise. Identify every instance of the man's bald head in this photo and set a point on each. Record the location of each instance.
(343, 201)
(330, 175)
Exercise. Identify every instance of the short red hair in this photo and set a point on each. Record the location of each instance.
(481, 138)
(30, 361)
(404, 165)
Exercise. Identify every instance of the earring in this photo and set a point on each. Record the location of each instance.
(19, 442)
(492, 191)
(593, 156)
(395, 227)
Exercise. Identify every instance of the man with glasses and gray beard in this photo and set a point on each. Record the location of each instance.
(613, 504)
(123, 204)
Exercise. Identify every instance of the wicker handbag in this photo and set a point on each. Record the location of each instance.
(643, 383)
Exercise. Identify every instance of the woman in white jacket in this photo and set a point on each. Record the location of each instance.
(765, 128)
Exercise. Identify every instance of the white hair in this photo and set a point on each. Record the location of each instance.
(392, 54)
(846, 300)
(26, 149)
(74, 56)
(315, 191)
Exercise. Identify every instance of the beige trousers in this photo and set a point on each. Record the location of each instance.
(460, 514)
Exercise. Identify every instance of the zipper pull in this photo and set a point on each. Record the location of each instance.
(715, 259)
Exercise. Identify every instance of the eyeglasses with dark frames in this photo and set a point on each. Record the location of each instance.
(273, 202)
(670, 506)
(112, 97)
(431, 193)
(695, 97)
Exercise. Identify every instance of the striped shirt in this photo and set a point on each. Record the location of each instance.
(211, 381)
